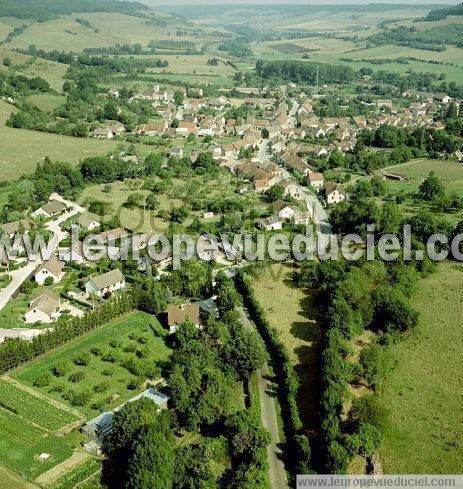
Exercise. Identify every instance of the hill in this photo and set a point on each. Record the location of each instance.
(47, 9)
(440, 14)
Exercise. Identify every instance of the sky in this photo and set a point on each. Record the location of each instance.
(309, 2)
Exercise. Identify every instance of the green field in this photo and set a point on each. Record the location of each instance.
(293, 313)
(46, 102)
(22, 149)
(29, 66)
(104, 376)
(424, 391)
(450, 172)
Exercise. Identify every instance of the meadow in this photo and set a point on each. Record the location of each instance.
(101, 375)
(293, 313)
(29, 66)
(23, 149)
(423, 392)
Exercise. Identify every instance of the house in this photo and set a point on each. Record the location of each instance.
(106, 283)
(177, 315)
(283, 209)
(261, 185)
(153, 129)
(319, 151)
(184, 129)
(97, 428)
(87, 223)
(176, 151)
(74, 254)
(43, 307)
(272, 223)
(208, 215)
(50, 209)
(103, 133)
(334, 195)
(302, 218)
(16, 227)
(292, 189)
(442, 98)
(316, 180)
(52, 268)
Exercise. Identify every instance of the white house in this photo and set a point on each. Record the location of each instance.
(283, 209)
(87, 223)
(52, 268)
(272, 223)
(334, 195)
(50, 209)
(43, 308)
(108, 282)
(316, 180)
(74, 254)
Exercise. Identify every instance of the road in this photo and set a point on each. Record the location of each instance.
(267, 394)
(21, 275)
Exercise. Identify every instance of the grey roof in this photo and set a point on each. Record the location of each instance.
(107, 279)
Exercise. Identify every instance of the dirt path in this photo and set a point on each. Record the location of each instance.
(267, 394)
(53, 474)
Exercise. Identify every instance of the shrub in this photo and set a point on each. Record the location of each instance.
(60, 369)
(43, 380)
(76, 377)
(82, 359)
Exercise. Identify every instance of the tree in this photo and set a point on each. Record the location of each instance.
(432, 188)
(265, 133)
(151, 465)
(151, 201)
(178, 97)
(134, 200)
(276, 192)
(7, 62)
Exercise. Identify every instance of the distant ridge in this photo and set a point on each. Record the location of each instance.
(443, 13)
(47, 9)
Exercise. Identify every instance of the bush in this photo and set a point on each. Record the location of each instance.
(82, 359)
(43, 380)
(76, 377)
(48, 281)
(60, 369)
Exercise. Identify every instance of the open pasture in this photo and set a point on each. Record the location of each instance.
(423, 392)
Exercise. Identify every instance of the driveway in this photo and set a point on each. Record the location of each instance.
(21, 275)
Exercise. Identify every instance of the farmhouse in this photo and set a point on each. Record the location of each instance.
(177, 315)
(106, 283)
(52, 268)
(43, 307)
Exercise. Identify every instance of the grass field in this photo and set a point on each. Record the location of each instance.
(104, 376)
(424, 392)
(29, 66)
(46, 102)
(14, 480)
(293, 313)
(21, 149)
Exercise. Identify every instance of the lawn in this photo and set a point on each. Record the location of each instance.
(424, 392)
(293, 313)
(21, 444)
(102, 378)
